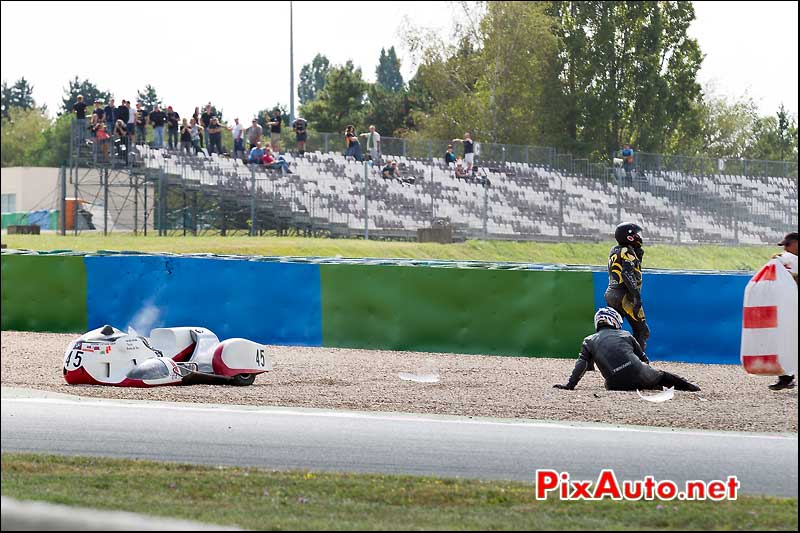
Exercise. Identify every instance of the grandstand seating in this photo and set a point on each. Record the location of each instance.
(522, 201)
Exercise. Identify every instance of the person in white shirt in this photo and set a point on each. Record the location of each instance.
(789, 259)
(238, 139)
(373, 144)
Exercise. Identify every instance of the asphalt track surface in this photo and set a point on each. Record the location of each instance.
(350, 441)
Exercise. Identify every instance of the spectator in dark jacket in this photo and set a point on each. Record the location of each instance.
(157, 119)
(123, 113)
(110, 112)
(173, 121)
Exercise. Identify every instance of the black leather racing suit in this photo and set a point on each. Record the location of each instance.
(624, 292)
(622, 363)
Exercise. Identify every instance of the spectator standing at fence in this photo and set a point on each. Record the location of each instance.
(627, 160)
(373, 144)
(196, 117)
(110, 113)
(80, 117)
(469, 150)
(186, 136)
(196, 132)
(275, 130)
(98, 116)
(254, 133)
(449, 156)
(123, 113)
(102, 139)
(121, 138)
(157, 119)
(173, 122)
(256, 154)
(141, 124)
(131, 123)
(300, 134)
(215, 136)
(352, 146)
(205, 121)
(238, 139)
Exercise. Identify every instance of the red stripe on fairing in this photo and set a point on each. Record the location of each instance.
(760, 317)
(767, 273)
(762, 364)
(184, 354)
(82, 377)
(221, 369)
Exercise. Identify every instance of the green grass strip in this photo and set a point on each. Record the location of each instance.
(708, 257)
(261, 499)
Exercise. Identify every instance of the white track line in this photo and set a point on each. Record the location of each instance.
(389, 418)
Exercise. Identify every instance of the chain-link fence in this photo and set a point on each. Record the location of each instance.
(513, 192)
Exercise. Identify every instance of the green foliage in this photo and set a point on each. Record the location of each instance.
(18, 95)
(386, 110)
(23, 136)
(55, 148)
(341, 101)
(86, 88)
(775, 137)
(628, 72)
(312, 78)
(388, 71)
(149, 98)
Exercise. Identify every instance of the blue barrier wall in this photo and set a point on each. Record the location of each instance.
(692, 317)
(268, 302)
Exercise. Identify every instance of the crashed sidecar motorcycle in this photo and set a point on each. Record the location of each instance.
(170, 356)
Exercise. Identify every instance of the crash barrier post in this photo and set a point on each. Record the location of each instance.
(436, 306)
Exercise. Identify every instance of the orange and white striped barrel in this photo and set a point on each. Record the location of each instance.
(769, 322)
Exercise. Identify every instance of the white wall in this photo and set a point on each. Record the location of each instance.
(35, 187)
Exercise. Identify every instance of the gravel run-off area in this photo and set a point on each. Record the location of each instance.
(470, 385)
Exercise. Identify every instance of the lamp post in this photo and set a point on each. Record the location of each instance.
(291, 65)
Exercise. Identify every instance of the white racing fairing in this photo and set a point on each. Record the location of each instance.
(170, 356)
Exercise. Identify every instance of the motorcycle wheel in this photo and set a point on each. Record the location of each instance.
(242, 380)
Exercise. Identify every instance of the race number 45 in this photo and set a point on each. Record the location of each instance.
(260, 358)
(75, 357)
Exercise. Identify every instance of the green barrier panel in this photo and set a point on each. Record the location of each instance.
(44, 293)
(503, 312)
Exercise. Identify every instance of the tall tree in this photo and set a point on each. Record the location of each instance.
(388, 71)
(312, 78)
(629, 71)
(386, 110)
(86, 88)
(22, 136)
(149, 98)
(341, 101)
(774, 137)
(18, 95)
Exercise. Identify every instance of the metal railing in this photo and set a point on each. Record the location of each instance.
(546, 196)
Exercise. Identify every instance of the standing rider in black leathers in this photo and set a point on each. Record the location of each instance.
(620, 359)
(624, 291)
